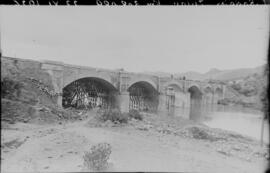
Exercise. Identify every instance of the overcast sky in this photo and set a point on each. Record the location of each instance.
(170, 39)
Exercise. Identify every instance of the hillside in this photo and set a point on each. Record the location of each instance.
(27, 95)
(248, 91)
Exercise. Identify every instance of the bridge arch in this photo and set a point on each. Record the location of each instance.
(195, 102)
(208, 89)
(175, 85)
(218, 90)
(144, 80)
(89, 92)
(218, 95)
(72, 76)
(208, 92)
(194, 85)
(195, 92)
(143, 96)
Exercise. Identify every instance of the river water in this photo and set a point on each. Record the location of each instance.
(244, 121)
(241, 120)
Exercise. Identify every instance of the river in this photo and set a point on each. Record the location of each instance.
(244, 121)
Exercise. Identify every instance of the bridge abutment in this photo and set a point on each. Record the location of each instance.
(55, 69)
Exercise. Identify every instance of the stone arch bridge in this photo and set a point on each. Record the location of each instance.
(164, 92)
(126, 90)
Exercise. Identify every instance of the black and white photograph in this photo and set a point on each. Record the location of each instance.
(134, 88)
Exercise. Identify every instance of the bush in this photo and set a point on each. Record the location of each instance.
(97, 158)
(10, 88)
(113, 115)
(204, 134)
(236, 86)
(199, 133)
(133, 113)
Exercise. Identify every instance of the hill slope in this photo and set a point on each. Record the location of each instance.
(27, 94)
(248, 91)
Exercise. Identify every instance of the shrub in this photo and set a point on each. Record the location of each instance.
(133, 113)
(97, 158)
(236, 86)
(198, 133)
(204, 134)
(10, 88)
(113, 115)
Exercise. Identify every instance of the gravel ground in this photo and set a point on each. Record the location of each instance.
(146, 145)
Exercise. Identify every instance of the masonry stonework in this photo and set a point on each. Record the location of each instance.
(63, 74)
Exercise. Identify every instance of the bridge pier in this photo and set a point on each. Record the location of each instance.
(123, 102)
(162, 103)
(176, 104)
(207, 99)
(59, 100)
(215, 99)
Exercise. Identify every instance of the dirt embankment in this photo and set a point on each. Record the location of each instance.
(154, 144)
(27, 94)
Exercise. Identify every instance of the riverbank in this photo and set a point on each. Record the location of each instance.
(157, 143)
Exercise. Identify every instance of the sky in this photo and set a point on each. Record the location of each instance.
(171, 39)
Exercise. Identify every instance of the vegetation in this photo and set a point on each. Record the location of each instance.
(234, 101)
(135, 114)
(10, 88)
(113, 115)
(250, 91)
(246, 88)
(97, 158)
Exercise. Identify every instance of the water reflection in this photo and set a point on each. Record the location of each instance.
(233, 118)
(242, 120)
(196, 112)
